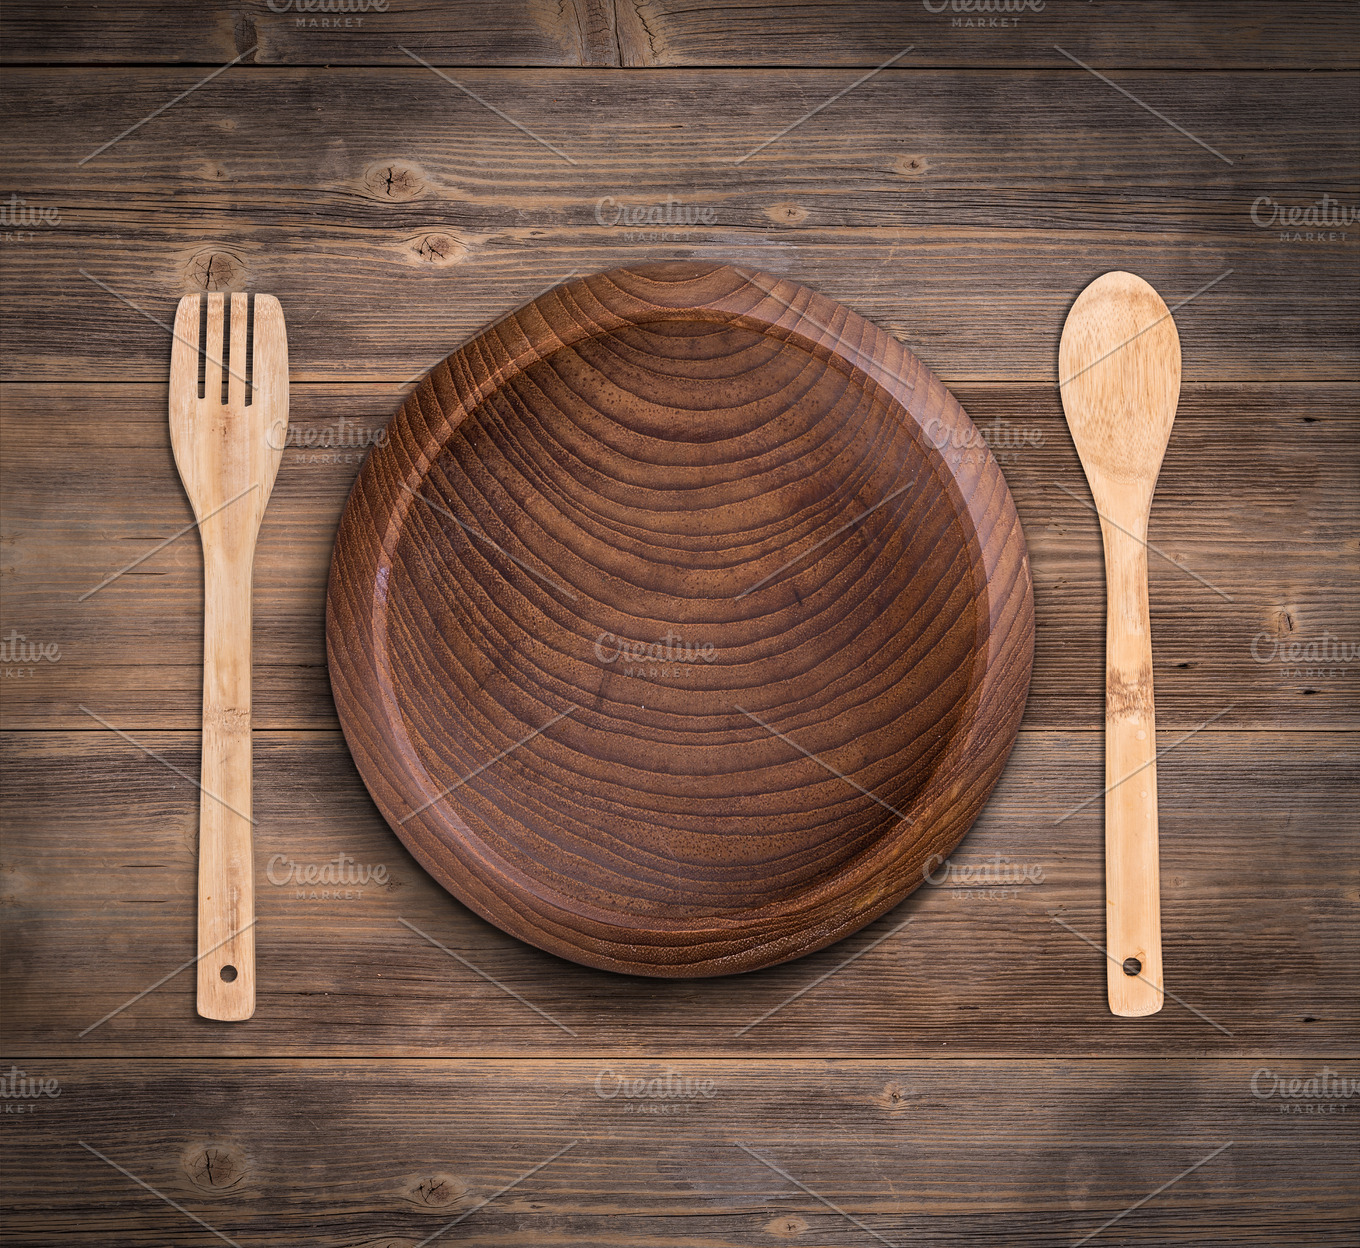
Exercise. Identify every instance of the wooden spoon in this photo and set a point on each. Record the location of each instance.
(228, 453)
(1120, 368)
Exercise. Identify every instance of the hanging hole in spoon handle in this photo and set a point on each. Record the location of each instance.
(1133, 908)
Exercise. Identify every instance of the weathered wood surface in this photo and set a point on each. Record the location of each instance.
(1034, 1153)
(1276, 533)
(1282, 323)
(960, 199)
(901, 201)
(1048, 150)
(1258, 887)
(1201, 34)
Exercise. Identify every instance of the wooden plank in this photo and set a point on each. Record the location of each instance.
(1021, 150)
(1254, 34)
(1257, 899)
(1277, 536)
(907, 1151)
(935, 290)
(961, 213)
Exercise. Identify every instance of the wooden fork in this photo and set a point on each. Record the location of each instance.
(228, 453)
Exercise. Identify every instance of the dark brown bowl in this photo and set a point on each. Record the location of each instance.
(682, 621)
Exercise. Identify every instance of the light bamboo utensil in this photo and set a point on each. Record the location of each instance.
(1119, 365)
(228, 453)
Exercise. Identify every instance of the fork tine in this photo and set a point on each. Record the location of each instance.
(236, 362)
(269, 378)
(212, 351)
(184, 351)
(270, 358)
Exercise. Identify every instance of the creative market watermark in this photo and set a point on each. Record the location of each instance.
(969, 443)
(328, 14)
(667, 1095)
(22, 1093)
(983, 14)
(1326, 657)
(20, 657)
(1326, 1091)
(340, 879)
(670, 657)
(20, 220)
(654, 222)
(345, 443)
(998, 879)
(1324, 220)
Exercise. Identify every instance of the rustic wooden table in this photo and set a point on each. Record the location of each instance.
(957, 1080)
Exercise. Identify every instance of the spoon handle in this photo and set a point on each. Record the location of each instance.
(1133, 912)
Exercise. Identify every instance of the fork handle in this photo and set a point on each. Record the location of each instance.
(1133, 915)
(226, 874)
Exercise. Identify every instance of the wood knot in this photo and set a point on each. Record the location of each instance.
(214, 1167)
(786, 1226)
(393, 181)
(911, 166)
(440, 250)
(243, 32)
(896, 1097)
(216, 270)
(1127, 699)
(786, 214)
(228, 718)
(436, 1191)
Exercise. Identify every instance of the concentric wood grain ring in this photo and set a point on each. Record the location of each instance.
(671, 631)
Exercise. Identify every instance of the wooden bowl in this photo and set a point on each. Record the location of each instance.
(683, 620)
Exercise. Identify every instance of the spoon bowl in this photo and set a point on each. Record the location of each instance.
(1120, 364)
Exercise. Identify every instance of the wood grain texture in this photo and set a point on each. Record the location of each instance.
(99, 869)
(1203, 34)
(710, 517)
(1119, 365)
(961, 208)
(1280, 543)
(1032, 1153)
(905, 291)
(1049, 151)
(910, 189)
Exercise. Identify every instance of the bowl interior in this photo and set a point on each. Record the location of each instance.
(734, 581)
